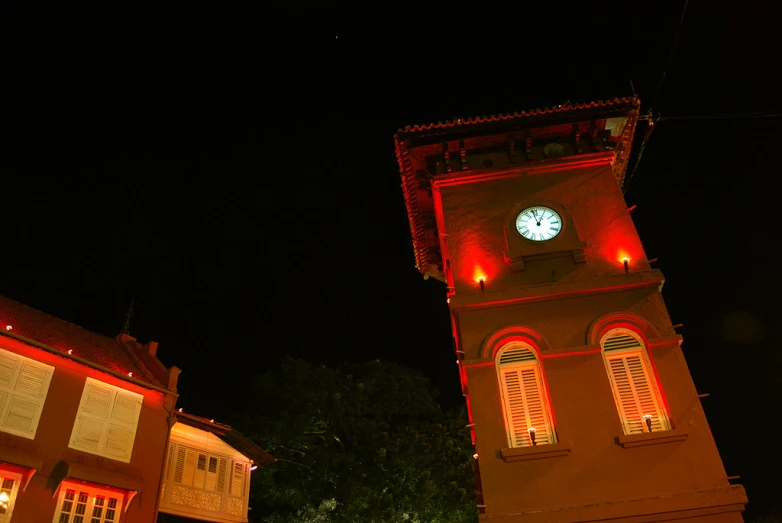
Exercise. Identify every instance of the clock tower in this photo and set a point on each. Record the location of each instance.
(581, 405)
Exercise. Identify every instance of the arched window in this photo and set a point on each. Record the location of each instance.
(633, 382)
(524, 399)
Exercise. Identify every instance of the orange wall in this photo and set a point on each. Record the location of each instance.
(597, 469)
(54, 431)
(475, 216)
(555, 298)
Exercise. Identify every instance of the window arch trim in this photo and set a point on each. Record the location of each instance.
(512, 333)
(625, 320)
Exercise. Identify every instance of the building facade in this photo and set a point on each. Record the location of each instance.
(90, 433)
(84, 421)
(207, 471)
(581, 404)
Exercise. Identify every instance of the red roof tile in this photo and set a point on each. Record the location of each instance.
(60, 334)
(562, 108)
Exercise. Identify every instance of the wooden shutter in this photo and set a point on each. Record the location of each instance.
(221, 475)
(107, 420)
(24, 384)
(169, 460)
(632, 383)
(179, 465)
(238, 479)
(189, 467)
(211, 474)
(524, 399)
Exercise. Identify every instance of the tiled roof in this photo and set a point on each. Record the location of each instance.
(60, 334)
(562, 108)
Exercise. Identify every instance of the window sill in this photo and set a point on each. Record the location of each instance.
(553, 450)
(629, 441)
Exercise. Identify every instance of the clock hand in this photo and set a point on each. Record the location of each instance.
(537, 221)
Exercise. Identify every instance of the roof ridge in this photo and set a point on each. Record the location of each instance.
(565, 106)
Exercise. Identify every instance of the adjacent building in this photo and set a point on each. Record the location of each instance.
(207, 471)
(87, 422)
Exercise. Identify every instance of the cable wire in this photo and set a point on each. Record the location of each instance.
(720, 116)
(650, 115)
(670, 56)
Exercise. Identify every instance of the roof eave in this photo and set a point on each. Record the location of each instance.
(230, 435)
(88, 363)
(628, 105)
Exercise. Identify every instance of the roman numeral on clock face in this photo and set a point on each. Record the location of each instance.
(538, 223)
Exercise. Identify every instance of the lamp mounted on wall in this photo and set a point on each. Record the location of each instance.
(531, 431)
(648, 420)
(482, 283)
(626, 262)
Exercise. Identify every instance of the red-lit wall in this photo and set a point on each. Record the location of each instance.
(478, 216)
(564, 298)
(36, 503)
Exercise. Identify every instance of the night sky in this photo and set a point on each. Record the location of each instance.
(244, 187)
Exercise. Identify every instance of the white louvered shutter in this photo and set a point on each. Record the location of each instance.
(24, 384)
(189, 467)
(107, 421)
(632, 383)
(525, 402)
(179, 465)
(238, 479)
(221, 475)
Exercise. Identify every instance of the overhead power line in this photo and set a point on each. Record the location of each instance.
(670, 55)
(720, 116)
(651, 118)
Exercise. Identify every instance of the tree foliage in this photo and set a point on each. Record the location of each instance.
(360, 443)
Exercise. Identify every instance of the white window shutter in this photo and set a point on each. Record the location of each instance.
(221, 475)
(238, 479)
(189, 467)
(211, 474)
(524, 399)
(633, 383)
(107, 421)
(24, 384)
(179, 466)
(122, 425)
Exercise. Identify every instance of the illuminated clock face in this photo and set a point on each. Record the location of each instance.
(538, 223)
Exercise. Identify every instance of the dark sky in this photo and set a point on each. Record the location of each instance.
(236, 173)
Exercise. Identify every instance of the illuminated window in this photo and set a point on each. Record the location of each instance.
(525, 403)
(633, 384)
(107, 420)
(82, 504)
(9, 488)
(24, 384)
